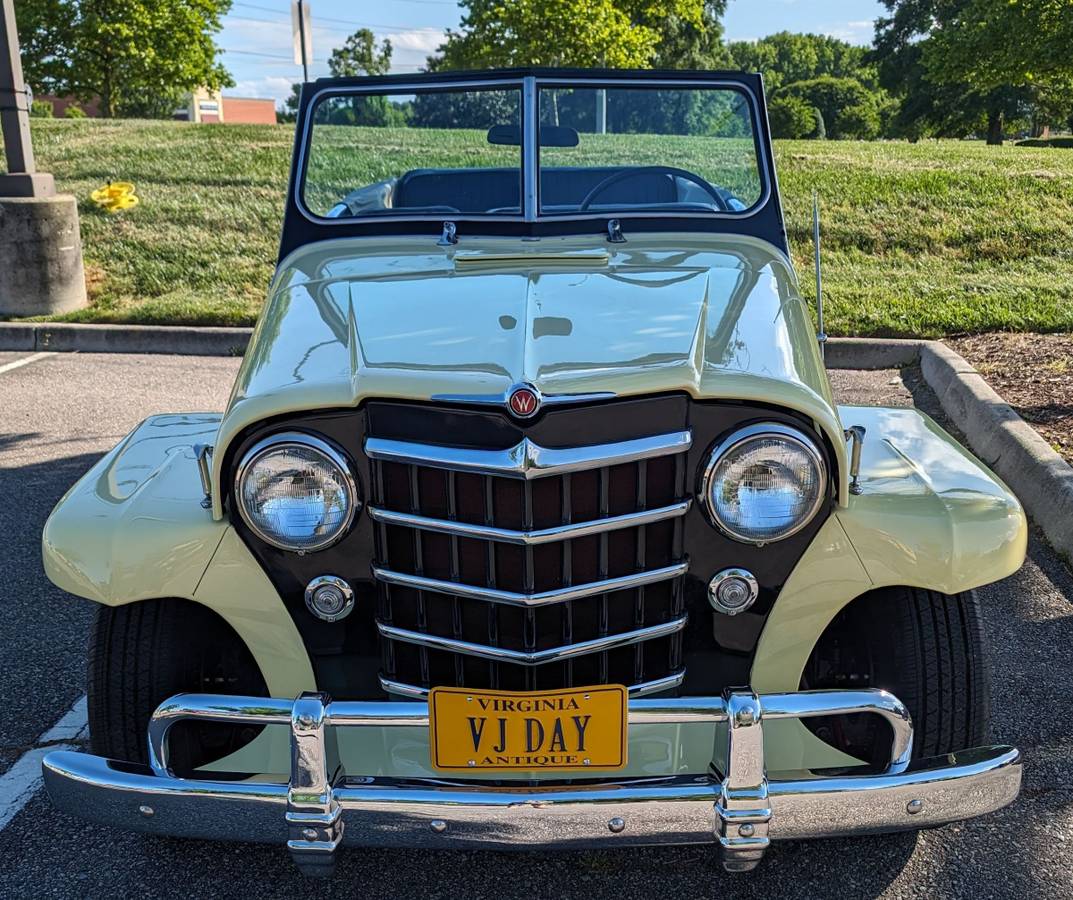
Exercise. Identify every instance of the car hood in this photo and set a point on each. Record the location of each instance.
(712, 316)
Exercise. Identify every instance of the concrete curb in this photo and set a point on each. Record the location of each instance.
(870, 353)
(176, 340)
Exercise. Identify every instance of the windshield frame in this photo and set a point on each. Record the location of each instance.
(762, 219)
(529, 87)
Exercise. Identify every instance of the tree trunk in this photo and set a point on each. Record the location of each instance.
(994, 128)
(106, 99)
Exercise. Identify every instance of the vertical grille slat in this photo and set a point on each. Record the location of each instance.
(529, 636)
(383, 596)
(430, 627)
(567, 614)
(419, 568)
(456, 612)
(639, 562)
(490, 574)
(604, 624)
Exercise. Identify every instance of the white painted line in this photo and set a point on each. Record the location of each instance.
(19, 783)
(25, 361)
(72, 725)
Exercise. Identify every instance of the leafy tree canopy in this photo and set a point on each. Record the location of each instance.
(997, 43)
(360, 55)
(943, 98)
(784, 58)
(136, 56)
(792, 117)
(848, 108)
(611, 33)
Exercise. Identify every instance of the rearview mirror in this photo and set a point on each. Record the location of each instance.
(550, 136)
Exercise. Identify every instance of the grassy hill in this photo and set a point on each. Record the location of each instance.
(925, 239)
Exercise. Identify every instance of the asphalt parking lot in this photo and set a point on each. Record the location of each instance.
(60, 412)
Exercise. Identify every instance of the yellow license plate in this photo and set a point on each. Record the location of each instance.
(581, 728)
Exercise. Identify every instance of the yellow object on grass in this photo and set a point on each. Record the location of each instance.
(115, 196)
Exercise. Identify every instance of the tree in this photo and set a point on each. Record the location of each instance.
(784, 58)
(610, 33)
(999, 45)
(791, 117)
(686, 42)
(131, 55)
(994, 43)
(359, 55)
(943, 106)
(848, 108)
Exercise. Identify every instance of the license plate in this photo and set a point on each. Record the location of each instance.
(582, 728)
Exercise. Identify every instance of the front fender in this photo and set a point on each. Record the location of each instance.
(133, 528)
(929, 515)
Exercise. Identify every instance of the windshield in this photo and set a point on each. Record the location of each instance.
(615, 150)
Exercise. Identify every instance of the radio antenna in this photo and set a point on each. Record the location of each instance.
(821, 336)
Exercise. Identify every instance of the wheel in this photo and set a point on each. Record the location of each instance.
(142, 653)
(927, 649)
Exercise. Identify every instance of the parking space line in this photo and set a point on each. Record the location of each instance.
(26, 360)
(19, 783)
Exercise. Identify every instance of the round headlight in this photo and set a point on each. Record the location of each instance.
(764, 483)
(296, 492)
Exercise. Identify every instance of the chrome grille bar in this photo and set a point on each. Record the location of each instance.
(416, 692)
(534, 657)
(560, 595)
(534, 537)
(527, 459)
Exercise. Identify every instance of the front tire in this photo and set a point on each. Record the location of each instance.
(141, 654)
(926, 648)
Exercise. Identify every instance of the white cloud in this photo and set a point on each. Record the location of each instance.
(274, 86)
(860, 31)
(424, 40)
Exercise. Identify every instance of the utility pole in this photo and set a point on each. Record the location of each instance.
(303, 35)
(40, 243)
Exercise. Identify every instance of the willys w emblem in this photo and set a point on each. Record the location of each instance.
(524, 402)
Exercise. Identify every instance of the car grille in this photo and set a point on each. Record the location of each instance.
(530, 568)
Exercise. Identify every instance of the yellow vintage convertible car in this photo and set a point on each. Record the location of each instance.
(531, 520)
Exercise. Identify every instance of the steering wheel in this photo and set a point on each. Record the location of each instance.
(634, 171)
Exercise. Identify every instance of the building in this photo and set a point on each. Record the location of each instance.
(211, 106)
(200, 106)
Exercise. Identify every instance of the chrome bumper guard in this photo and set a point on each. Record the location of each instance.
(741, 810)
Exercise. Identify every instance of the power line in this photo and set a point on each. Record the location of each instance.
(334, 21)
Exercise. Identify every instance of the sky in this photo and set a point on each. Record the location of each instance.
(258, 50)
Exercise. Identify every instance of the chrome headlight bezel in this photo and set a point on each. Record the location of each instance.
(748, 434)
(331, 453)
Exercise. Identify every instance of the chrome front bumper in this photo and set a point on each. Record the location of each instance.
(741, 810)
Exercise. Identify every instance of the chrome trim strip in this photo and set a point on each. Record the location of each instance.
(531, 150)
(529, 538)
(415, 692)
(535, 657)
(502, 398)
(560, 595)
(527, 459)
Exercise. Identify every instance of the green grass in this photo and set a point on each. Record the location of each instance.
(925, 239)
